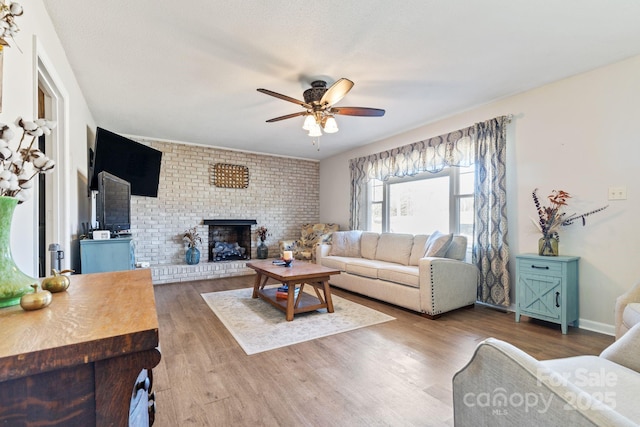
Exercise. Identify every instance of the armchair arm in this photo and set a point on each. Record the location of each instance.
(504, 386)
(446, 284)
(632, 295)
(625, 350)
(322, 250)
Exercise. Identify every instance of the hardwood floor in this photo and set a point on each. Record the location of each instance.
(396, 373)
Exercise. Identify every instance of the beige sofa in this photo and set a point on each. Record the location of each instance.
(422, 274)
(503, 386)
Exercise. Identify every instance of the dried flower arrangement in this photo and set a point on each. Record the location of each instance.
(19, 167)
(262, 233)
(8, 27)
(192, 237)
(551, 218)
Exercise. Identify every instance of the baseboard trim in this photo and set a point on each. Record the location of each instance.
(589, 325)
(599, 327)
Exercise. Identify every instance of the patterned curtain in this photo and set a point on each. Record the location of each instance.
(490, 249)
(483, 144)
(431, 155)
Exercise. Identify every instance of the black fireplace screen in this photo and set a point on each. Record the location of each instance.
(229, 239)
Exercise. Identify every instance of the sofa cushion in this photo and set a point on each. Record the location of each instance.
(363, 267)
(437, 244)
(394, 247)
(346, 243)
(457, 248)
(337, 262)
(418, 249)
(403, 274)
(369, 244)
(631, 315)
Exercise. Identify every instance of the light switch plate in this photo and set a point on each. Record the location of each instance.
(617, 193)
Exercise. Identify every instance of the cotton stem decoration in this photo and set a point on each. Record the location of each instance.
(8, 27)
(19, 167)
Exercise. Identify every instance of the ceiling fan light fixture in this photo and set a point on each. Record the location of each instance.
(309, 122)
(330, 125)
(315, 131)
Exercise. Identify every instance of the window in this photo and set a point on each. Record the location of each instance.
(423, 203)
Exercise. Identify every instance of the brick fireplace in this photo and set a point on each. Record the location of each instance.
(229, 239)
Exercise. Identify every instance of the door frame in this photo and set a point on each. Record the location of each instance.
(57, 182)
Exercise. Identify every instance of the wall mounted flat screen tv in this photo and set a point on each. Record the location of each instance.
(113, 206)
(127, 159)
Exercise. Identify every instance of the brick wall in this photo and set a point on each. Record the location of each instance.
(283, 194)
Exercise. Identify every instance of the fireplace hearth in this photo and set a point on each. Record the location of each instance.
(229, 239)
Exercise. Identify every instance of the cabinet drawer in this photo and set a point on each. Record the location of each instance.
(542, 267)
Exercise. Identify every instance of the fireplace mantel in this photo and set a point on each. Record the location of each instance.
(230, 222)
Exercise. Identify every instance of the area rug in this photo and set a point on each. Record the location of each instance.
(258, 326)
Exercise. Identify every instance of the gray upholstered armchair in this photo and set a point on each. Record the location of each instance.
(504, 386)
(627, 310)
(311, 236)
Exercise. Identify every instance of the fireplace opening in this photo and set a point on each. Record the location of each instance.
(229, 239)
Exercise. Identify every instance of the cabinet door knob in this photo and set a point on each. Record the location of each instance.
(557, 296)
(545, 267)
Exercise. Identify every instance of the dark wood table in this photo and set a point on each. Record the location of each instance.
(299, 273)
(79, 361)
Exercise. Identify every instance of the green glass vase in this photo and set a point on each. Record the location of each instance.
(548, 246)
(262, 251)
(13, 282)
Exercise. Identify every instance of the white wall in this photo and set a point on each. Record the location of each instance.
(19, 99)
(579, 135)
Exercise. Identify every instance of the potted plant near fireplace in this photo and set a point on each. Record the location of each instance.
(192, 238)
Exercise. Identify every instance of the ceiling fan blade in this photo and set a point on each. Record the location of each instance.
(358, 111)
(286, 98)
(288, 116)
(336, 92)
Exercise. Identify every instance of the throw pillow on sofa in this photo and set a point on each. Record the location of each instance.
(346, 243)
(437, 244)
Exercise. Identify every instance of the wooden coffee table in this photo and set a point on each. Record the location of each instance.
(299, 273)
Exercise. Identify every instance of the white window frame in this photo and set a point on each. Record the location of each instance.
(455, 196)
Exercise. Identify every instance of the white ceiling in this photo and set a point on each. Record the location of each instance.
(188, 70)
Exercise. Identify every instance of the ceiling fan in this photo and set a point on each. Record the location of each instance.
(319, 106)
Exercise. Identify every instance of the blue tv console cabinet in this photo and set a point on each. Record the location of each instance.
(98, 256)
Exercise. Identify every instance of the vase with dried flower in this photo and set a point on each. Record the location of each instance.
(17, 169)
(193, 239)
(262, 250)
(551, 218)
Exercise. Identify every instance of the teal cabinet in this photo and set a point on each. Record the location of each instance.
(547, 289)
(97, 256)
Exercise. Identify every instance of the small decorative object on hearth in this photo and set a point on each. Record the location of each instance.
(17, 170)
(192, 238)
(550, 219)
(262, 250)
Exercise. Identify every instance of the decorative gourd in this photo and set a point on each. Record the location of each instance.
(58, 282)
(36, 300)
